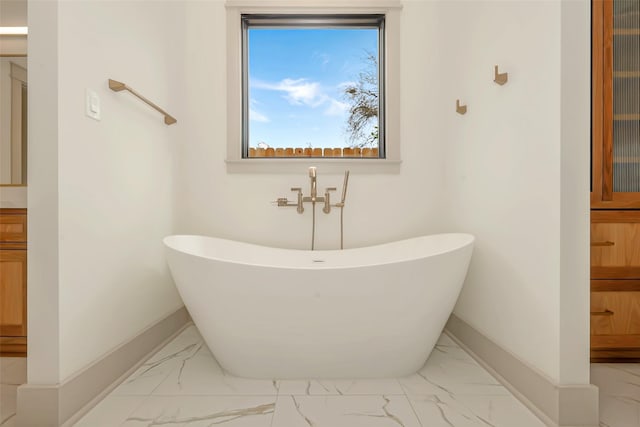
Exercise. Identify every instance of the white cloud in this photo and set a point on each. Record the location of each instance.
(301, 92)
(258, 117)
(254, 115)
(305, 92)
(297, 92)
(336, 108)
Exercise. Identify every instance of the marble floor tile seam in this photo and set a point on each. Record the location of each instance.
(129, 413)
(134, 410)
(184, 410)
(457, 395)
(412, 405)
(117, 390)
(391, 387)
(455, 405)
(136, 407)
(339, 411)
(444, 390)
(341, 394)
(413, 409)
(8, 420)
(262, 395)
(164, 378)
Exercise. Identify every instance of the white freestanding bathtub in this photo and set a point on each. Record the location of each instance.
(356, 313)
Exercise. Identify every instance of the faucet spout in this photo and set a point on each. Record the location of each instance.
(314, 189)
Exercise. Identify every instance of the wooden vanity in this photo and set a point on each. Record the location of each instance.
(13, 282)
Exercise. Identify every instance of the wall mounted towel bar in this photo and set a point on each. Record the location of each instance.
(117, 86)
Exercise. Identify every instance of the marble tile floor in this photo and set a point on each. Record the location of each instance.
(183, 385)
(619, 387)
(13, 372)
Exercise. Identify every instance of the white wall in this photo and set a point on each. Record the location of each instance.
(380, 208)
(575, 161)
(504, 170)
(43, 337)
(115, 177)
(495, 172)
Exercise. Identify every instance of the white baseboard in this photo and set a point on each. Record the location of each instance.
(556, 405)
(65, 403)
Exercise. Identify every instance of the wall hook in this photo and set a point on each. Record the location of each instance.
(460, 109)
(500, 78)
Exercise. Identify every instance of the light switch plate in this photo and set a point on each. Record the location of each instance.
(92, 105)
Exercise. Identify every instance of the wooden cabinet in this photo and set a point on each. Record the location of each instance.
(615, 313)
(13, 282)
(615, 285)
(615, 180)
(615, 320)
(615, 244)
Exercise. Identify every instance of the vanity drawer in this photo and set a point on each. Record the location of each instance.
(615, 319)
(615, 244)
(13, 226)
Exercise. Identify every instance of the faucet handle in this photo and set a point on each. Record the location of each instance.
(327, 200)
(300, 208)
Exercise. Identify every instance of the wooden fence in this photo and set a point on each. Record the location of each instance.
(314, 152)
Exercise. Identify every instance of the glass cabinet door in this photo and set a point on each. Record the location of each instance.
(625, 96)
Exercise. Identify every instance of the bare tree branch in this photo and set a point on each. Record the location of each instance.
(362, 97)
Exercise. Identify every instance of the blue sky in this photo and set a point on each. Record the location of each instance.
(296, 81)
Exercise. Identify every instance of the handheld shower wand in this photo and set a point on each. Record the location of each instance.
(314, 194)
(344, 187)
(341, 204)
(314, 189)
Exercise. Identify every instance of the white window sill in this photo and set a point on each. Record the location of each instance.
(298, 165)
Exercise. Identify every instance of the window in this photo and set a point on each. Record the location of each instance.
(277, 100)
(313, 86)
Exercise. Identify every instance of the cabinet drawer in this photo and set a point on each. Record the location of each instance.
(615, 319)
(13, 346)
(615, 245)
(13, 228)
(13, 293)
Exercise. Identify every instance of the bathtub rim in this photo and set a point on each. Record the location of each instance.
(466, 240)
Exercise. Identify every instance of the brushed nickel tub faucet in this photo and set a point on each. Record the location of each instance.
(313, 199)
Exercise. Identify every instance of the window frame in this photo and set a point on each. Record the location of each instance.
(389, 75)
(302, 21)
